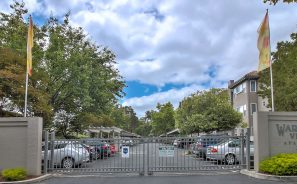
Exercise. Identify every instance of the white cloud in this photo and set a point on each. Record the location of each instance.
(144, 103)
(4, 6)
(173, 41)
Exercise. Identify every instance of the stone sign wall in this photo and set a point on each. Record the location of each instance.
(283, 136)
(20, 144)
(274, 133)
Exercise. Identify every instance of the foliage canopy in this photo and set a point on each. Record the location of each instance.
(207, 111)
(284, 76)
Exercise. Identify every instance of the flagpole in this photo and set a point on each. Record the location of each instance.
(271, 78)
(27, 72)
(26, 93)
(271, 81)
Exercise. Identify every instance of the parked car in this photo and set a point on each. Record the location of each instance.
(112, 149)
(68, 154)
(92, 151)
(200, 147)
(126, 142)
(176, 142)
(102, 148)
(183, 142)
(228, 152)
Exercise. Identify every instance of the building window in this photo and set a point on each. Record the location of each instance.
(253, 108)
(253, 86)
(240, 89)
(242, 109)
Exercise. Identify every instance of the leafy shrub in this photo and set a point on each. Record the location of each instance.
(282, 165)
(15, 174)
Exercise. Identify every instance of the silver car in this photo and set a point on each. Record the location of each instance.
(228, 152)
(68, 154)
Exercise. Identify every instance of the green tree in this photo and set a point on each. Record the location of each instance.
(206, 111)
(163, 119)
(72, 75)
(284, 76)
(143, 128)
(13, 31)
(132, 118)
(125, 118)
(120, 118)
(82, 78)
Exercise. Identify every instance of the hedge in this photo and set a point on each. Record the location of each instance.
(281, 165)
(14, 174)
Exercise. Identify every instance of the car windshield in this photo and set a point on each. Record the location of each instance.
(222, 142)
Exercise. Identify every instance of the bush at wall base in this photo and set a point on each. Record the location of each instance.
(14, 174)
(284, 164)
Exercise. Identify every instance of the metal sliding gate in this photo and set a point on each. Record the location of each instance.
(146, 155)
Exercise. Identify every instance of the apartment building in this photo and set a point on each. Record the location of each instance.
(244, 96)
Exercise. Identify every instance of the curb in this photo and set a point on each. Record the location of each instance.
(254, 174)
(33, 180)
(158, 174)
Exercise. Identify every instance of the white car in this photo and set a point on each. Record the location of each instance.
(228, 152)
(126, 143)
(68, 154)
(176, 142)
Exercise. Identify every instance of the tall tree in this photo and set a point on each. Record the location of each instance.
(13, 31)
(72, 75)
(163, 119)
(206, 111)
(144, 128)
(284, 76)
(82, 77)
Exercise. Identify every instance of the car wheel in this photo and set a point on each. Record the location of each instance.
(230, 159)
(67, 163)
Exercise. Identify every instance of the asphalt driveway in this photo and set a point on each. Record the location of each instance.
(230, 178)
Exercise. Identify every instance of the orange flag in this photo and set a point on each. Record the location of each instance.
(264, 44)
(29, 47)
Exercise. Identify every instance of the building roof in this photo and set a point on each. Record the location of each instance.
(249, 76)
(123, 133)
(170, 133)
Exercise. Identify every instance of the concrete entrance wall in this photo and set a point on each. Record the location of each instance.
(274, 133)
(21, 144)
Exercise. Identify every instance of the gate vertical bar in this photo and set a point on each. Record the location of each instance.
(148, 159)
(52, 150)
(242, 147)
(143, 155)
(248, 134)
(45, 156)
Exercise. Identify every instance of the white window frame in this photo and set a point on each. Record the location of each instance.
(243, 87)
(251, 85)
(252, 108)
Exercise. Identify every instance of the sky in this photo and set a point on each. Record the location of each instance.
(168, 49)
